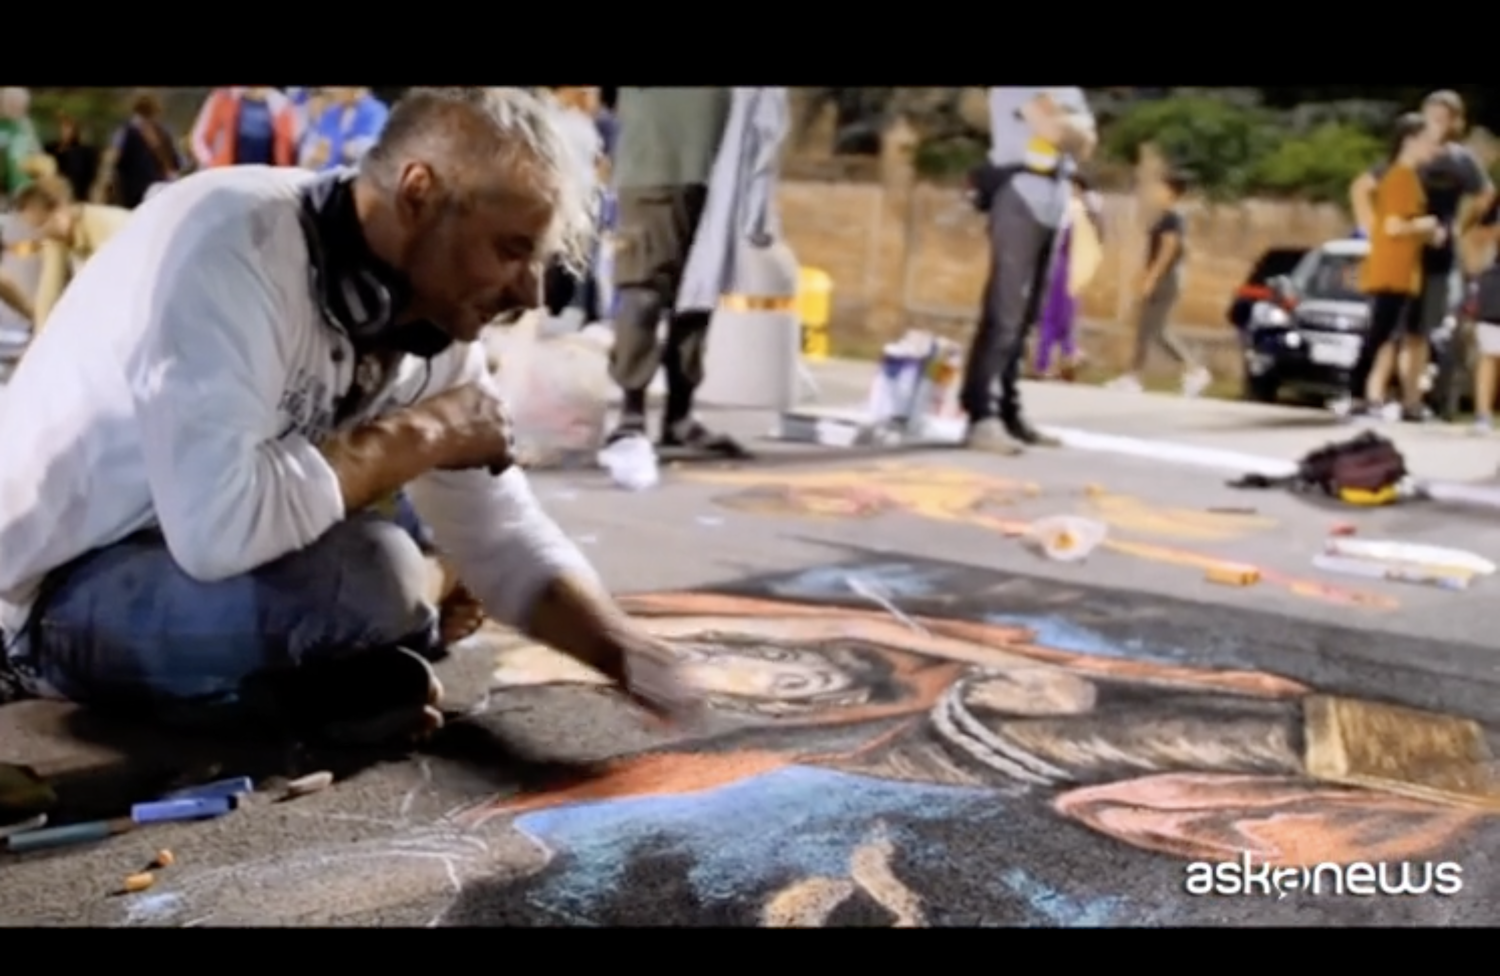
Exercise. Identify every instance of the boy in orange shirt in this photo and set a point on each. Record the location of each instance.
(1392, 273)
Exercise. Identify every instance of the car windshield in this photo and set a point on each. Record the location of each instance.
(1323, 276)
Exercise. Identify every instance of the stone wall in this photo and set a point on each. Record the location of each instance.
(904, 254)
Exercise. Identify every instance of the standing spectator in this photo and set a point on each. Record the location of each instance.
(1038, 136)
(71, 232)
(1487, 327)
(77, 161)
(669, 139)
(141, 155)
(1458, 191)
(19, 144)
(1402, 229)
(345, 128)
(1080, 240)
(1160, 287)
(246, 126)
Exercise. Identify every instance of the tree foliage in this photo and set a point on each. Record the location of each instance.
(1233, 147)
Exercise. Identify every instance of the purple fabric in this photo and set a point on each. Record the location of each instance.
(1056, 331)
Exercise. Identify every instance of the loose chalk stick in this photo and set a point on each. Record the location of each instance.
(189, 808)
(1228, 575)
(311, 783)
(35, 823)
(225, 787)
(164, 859)
(139, 882)
(36, 840)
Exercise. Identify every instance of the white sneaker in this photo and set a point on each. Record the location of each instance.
(1483, 426)
(1341, 407)
(1390, 412)
(1126, 384)
(1195, 381)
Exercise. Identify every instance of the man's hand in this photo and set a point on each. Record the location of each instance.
(465, 427)
(653, 681)
(582, 622)
(474, 428)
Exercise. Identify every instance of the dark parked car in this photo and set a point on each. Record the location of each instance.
(1304, 335)
(1274, 263)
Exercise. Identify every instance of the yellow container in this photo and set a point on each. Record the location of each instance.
(814, 308)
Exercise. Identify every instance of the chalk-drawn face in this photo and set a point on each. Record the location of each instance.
(746, 673)
(1202, 764)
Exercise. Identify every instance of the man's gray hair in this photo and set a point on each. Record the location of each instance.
(475, 129)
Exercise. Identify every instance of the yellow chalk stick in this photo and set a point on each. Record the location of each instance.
(139, 882)
(1229, 574)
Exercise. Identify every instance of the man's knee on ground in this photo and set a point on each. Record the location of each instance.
(384, 574)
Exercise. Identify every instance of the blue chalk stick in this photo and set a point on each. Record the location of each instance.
(221, 788)
(37, 840)
(187, 808)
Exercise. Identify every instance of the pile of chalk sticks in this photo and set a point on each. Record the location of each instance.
(204, 802)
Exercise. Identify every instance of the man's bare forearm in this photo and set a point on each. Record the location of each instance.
(375, 460)
(12, 295)
(581, 621)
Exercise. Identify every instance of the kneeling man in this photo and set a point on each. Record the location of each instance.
(197, 455)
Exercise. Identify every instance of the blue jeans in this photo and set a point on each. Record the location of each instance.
(124, 628)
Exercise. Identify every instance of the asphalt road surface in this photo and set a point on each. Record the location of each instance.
(917, 721)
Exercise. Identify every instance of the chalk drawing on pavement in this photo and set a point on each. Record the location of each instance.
(938, 770)
(988, 502)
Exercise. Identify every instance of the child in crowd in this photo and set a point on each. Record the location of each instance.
(1160, 287)
(1078, 244)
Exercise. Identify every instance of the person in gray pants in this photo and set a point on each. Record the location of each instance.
(1037, 135)
(668, 140)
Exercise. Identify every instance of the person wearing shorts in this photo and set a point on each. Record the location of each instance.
(1458, 191)
(1392, 274)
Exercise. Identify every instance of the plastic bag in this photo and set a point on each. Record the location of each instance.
(1066, 538)
(558, 391)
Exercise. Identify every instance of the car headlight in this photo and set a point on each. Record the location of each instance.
(1268, 316)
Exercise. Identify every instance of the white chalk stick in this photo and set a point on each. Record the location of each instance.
(311, 783)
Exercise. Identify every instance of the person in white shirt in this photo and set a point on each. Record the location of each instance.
(194, 454)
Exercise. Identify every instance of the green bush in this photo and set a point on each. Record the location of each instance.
(1319, 165)
(947, 159)
(98, 110)
(1233, 149)
(1217, 142)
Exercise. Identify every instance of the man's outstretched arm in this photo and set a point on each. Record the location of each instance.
(525, 570)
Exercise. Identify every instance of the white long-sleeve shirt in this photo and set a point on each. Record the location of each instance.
(184, 381)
